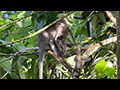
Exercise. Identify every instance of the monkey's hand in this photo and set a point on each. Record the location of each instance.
(62, 54)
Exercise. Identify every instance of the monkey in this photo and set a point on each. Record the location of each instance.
(47, 40)
(61, 40)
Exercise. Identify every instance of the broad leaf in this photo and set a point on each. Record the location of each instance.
(27, 13)
(22, 75)
(94, 22)
(14, 75)
(42, 20)
(109, 71)
(100, 66)
(5, 65)
(101, 17)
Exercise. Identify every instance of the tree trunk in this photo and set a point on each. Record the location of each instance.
(118, 43)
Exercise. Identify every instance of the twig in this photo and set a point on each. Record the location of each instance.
(22, 54)
(71, 34)
(18, 53)
(53, 68)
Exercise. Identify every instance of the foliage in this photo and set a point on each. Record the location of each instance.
(100, 65)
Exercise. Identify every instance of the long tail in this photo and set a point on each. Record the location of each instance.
(41, 57)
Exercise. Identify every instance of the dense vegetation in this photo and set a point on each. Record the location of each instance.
(91, 29)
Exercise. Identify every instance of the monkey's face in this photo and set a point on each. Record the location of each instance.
(61, 40)
(61, 25)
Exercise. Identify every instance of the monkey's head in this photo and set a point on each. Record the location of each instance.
(60, 40)
(61, 25)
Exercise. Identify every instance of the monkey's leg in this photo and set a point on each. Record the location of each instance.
(41, 57)
(57, 51)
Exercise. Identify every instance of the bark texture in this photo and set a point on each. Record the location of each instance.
(118, 43)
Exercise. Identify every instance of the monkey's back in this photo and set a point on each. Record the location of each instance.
(43, 38)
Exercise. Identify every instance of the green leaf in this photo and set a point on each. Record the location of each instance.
(31, 71)
(2, 22)
(42, 20)
(94, 22)
(51, 16)
(86, 20)
(14, 75)
(100, 66)
(8, 21)
(109, 71)
(33, 21)
(13, 16)
(22, 75)
(20, 46)
(19, 63)
(27, 13)
(26, 22)
(101, 17)
(9, 38)
(20, 32)
(5, 65)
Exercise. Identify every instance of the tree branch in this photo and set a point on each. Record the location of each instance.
(111, 17)
(96, 46)
(22, 54)
(9, 58)
(62, 61)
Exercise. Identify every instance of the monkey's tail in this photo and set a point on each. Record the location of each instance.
(41, 57)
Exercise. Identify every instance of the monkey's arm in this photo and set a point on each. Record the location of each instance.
(55, 47)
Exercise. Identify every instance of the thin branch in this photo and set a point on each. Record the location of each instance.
(19, 52)
(76, 17)
(6, 54)
(22, 54)
(71, 34)
(53, 68)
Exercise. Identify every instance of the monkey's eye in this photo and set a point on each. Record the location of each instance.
(60, 37)
(59, 23)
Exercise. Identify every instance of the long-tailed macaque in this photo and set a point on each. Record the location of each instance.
(48, 40)
(62, 38)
